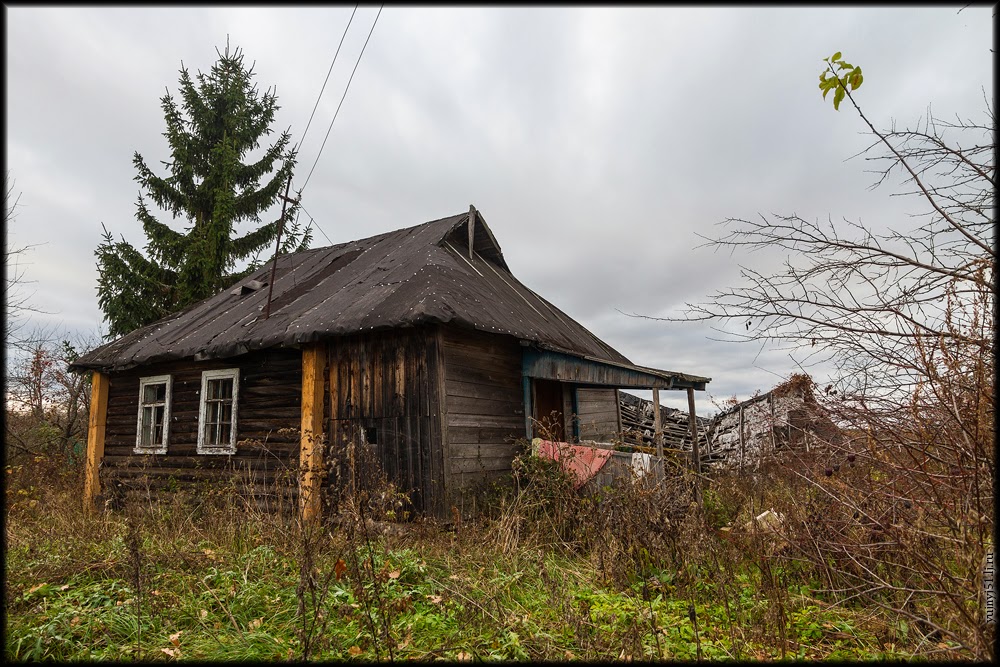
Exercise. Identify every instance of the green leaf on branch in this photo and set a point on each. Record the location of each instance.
(837, 98)
(846, 78)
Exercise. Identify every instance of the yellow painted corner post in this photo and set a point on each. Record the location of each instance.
(311, 451)
(99, 383)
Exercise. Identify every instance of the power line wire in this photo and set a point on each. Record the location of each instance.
(329, 129)
(312, 221)
(325, 81)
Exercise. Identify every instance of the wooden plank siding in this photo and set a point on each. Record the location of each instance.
(385, 414)
(267, 428)
(597, 411)
(484, 404)
(570, 421)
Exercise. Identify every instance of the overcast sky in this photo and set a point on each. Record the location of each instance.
(596, 142)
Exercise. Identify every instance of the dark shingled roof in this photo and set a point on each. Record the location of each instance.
(408, 277)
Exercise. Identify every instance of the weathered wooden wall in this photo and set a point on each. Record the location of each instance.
(787, 417)
(384, 387)
(266, 431)
(597, 410)
(484, 403)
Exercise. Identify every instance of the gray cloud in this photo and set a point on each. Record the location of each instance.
(597, 142)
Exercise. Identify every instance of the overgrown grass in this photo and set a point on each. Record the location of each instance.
(172, 580)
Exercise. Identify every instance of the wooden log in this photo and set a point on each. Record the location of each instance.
(99, 384)
(442, 435)
(742, 443)
(311, 452)
(618, 408)
(695, 454)
(657, 424)
(472, 229)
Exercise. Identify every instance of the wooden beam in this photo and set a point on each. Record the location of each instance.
(472, 228)
(526, 388)
(657, 424)
(770, 404)
(441, 409)
(618, 408)
(311, 434)
(99, 384)
(743, 450)
(695, 453)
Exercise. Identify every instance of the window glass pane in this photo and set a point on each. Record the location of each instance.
(146, 430)
(154, 393)
(215, 434)
(221, 388)
(158, 424)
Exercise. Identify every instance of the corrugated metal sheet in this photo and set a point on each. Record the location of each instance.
(408, 277)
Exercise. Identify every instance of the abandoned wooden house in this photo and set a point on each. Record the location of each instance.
(787, 418)
(417, 346)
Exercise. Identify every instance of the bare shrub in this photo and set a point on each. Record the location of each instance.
(901, 515)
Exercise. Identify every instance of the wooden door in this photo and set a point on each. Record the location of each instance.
(548, 412)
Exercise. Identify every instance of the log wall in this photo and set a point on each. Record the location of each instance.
(267, 428)
(484, 403)
(597, 411)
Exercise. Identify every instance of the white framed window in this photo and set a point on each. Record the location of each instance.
(220, 392)
(152, 431)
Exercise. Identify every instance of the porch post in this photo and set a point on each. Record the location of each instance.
(657, 424)
(311, 434)
(693, 424)
(99, 383)
(528, 408)
(695, 453)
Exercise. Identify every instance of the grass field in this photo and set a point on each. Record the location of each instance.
(213, 579)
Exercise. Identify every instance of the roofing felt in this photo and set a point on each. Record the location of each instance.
(409, 277)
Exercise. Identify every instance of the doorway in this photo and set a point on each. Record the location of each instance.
(548, 404)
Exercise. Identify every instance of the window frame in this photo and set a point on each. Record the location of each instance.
(206, 377)
(168, 394)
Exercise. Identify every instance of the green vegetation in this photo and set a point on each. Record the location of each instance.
(844, 78)
(214, 184)
(215, 580)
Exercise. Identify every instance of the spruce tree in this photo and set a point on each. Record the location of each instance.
(214, 183)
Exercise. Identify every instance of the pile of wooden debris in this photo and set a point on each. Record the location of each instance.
(638, 427)
(787, 417)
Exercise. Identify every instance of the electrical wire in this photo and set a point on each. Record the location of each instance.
(328, 72)
(329, 129)
(312, 221)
